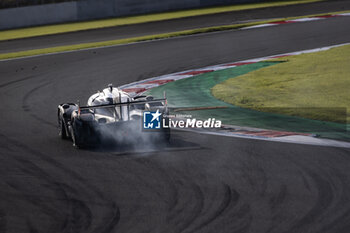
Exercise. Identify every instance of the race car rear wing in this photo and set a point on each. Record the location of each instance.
(124, 107)
(125, 104)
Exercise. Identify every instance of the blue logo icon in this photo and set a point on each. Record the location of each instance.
(151, 120)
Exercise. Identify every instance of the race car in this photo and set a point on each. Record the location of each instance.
(111, 115)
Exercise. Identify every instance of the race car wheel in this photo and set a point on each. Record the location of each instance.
(75, 141)
(62, 130)
(75, 137)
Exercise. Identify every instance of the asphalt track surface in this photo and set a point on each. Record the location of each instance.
(197, 183)
(122, 32)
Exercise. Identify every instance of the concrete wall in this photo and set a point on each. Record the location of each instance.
(96, 9)
(38, 15)
(132, 7)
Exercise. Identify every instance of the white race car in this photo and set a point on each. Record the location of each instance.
(110, 114)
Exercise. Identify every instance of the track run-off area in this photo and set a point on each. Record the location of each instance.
(196, 86)
(196, 183)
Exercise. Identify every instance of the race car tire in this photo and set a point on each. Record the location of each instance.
(62, 130)
(75, 141)
(75, 137)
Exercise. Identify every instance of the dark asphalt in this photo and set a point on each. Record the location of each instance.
(121, 32)
(198, 183)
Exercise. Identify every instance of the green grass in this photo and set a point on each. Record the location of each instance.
(74, 47)
(314, 86)
(79, 26)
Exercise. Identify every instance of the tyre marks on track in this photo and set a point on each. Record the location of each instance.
(331, 208)
(189, 205)
(17, 81)
(230, 199)
(27, 107)
(65, 207)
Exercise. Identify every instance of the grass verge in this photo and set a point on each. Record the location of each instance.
(74, 47)
(87, 25)
(314, 86)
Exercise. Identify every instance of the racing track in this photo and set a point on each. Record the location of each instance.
(201, 183)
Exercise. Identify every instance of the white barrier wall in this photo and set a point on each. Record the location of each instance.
(96, 9)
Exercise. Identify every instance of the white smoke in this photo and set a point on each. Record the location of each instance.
(130, 136)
